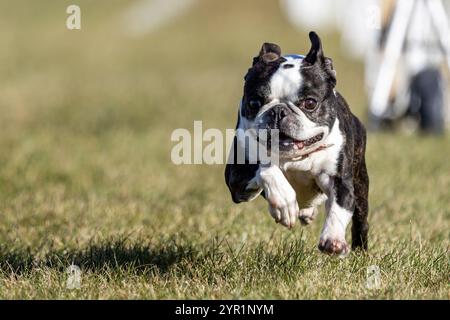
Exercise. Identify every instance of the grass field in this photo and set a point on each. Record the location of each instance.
(86, 176)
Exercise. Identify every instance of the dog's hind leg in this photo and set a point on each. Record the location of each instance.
(360, 226)
(307, 215)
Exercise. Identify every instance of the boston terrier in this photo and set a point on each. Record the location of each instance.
(321, 146)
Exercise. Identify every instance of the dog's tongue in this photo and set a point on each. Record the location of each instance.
(299, 144)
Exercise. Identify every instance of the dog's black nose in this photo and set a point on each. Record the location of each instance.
(279, 112)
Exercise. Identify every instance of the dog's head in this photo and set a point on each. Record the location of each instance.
(294, 94)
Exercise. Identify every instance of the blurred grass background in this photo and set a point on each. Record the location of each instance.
(86, 176)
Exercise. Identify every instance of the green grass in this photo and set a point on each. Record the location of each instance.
(86, 177)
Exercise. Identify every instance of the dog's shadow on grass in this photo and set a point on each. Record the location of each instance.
(108, 255)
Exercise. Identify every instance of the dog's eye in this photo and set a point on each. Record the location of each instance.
(309, 104)
(254, 104)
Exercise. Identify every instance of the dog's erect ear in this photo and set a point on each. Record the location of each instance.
(316, 52)
(315, 55)
(269, 52)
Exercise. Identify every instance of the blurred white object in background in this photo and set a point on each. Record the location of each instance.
(306, 14)
(359, 23)
(399, 41)
(417, 42)
(356, 20)
(146, 16)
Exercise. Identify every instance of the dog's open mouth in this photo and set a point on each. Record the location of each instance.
(288, 142)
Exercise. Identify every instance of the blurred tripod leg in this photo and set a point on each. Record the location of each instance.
(427, 100)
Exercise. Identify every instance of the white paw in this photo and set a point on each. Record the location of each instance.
(332, 238)
(306, 216)
(281, 196)
(332, 246)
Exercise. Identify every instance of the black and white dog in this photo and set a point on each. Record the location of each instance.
(321, 146)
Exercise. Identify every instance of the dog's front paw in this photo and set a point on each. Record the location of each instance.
(332, 238)
(280, 195)
(334, 246)
(283, 210)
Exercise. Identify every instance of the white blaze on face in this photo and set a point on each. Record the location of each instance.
(285, 85)
(286, 81)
